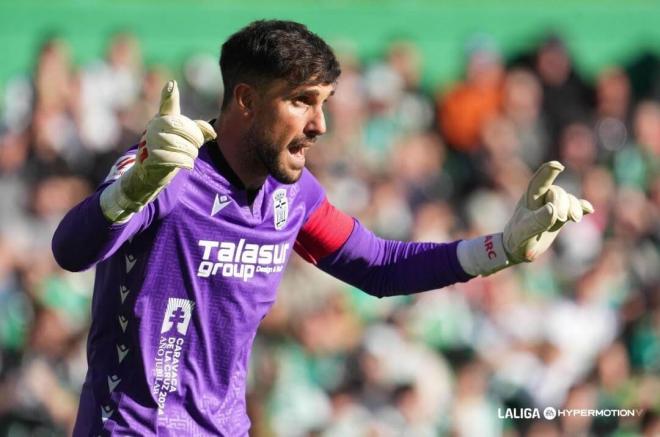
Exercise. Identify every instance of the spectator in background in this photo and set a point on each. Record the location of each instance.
(638, 163)
(613, 111)
(53, 133)
(464, 109)
(467, 105)
(415, 107)
(578, 152)
(521, 104)
(109, 87)
(131, 120)
(396, 103)
(475, 412)
(417, 161)
(566, 98)
(201, 91)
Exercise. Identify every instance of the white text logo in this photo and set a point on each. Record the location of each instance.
(241, 260)
(170, 346)
(551, 413)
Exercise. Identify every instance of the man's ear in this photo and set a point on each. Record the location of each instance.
(245, 97)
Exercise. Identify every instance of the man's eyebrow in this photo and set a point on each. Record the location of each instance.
(311, 93)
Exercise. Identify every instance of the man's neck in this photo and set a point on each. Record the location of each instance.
(230, 140)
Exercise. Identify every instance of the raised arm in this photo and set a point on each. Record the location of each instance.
(85, 236)
(142, 186)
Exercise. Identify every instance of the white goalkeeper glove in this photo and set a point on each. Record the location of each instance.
(170, 143)
(538, 217)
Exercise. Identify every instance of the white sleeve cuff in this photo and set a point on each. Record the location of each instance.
(482, 255)
(114, 205)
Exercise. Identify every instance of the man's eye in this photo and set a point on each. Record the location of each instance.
(301, 101)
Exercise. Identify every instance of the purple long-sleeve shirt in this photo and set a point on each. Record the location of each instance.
(181, 288)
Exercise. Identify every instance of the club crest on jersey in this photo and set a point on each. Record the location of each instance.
(280, 208)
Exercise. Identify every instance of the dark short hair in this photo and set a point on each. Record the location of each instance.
(266, 50)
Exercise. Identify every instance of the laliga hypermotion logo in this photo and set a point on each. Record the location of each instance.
(550, 413)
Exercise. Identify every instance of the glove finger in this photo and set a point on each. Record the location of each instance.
(207, 130)
(541, 182)
(537, 222)
(169, 99)
(559, 199)
(166, 158)
(574, 209)
(175, 143)
(544, 217)
(177, 125)
(587, 208)
(540, 245)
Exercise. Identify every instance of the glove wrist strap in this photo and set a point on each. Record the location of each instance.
(483, 255)
(114, 204)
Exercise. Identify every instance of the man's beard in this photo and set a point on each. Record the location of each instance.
(271, 157)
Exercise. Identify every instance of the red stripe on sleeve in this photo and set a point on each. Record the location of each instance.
(324, 232)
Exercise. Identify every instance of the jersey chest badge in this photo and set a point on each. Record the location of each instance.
(280, 208)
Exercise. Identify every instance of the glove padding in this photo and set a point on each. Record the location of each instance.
(538, 217)
(540, 214)
(170, 143)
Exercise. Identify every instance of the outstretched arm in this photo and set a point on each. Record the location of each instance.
(342, 247)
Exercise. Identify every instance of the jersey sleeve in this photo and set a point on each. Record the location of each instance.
(85, 237)
(387, 267)
(339, 245)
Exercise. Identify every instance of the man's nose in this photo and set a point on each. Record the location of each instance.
(316, 125)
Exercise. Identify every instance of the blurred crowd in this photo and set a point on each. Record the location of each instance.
(579, 328)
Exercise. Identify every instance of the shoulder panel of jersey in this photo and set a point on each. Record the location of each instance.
(122, 164)
(166, 199)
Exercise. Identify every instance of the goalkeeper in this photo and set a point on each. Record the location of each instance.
(192, 229)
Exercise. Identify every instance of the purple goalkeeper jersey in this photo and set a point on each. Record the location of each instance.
(181, 288)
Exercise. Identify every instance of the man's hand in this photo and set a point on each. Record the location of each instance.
(539, 215)
(170, 143)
